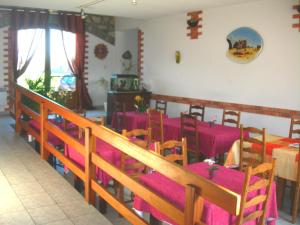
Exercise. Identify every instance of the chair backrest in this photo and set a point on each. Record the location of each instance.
(296, 190)
(155, 122)
(161, 106)
(259, 179)
(231, 117)
(140, 137)
(173, 150)
(295, 127)
(198, 111)
(252, 146)
(189, 130)
(128, 164)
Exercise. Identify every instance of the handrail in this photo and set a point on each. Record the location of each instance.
(193, 183)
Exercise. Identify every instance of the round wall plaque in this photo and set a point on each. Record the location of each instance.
(101, 51)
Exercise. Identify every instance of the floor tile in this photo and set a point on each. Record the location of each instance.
(47, 214)
(76, 208)
(36, 200)
(61, 222)
(27, 188)
(16, 218)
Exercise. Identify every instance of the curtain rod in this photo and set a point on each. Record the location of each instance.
(53, 12)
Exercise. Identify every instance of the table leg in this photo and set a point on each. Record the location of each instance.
(281, 184)
(102, 205)
(154, 221)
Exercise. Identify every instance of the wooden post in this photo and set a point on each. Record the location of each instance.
(90, 170)
(18, 111)
(193, 205)
(44, 132)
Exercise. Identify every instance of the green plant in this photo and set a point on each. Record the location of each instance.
(37, 86)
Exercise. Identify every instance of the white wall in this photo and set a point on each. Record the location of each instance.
(125, 40)
(205, 72)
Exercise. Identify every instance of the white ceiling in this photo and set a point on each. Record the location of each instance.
(143, 10)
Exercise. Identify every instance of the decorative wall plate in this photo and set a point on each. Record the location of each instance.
(101, 51)
(245, 44)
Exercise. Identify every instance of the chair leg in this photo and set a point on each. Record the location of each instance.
(295, 202)
(102, 205)
(281, 184)
(154, 221)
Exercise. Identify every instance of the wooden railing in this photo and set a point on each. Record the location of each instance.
(196, 188)
(270, 111)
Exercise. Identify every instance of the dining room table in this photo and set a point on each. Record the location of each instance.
(214, 139)
(108, 152)
(212, 214)
(284, 150)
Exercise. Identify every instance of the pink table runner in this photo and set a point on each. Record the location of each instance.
(212, 214)
(212, 140)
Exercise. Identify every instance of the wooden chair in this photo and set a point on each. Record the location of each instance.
(198, 111)
(155, 122)
(161, 106)
(265, 175)
(129, 165)
(231, 117)
(295, 127)
(189, 130)
(173, 150)
(252, 148)
(296, 193)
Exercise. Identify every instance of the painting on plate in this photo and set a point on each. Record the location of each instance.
(245, 44)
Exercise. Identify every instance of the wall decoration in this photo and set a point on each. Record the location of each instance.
(245, 44)
(127, 65)
(177, 57)
(140, 53)
(193, 24)
(297, 16)
(101, 51)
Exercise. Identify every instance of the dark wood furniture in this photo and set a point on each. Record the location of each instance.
(161, 106)
(295, 127)
(126, 98)
(198, 111)
(231, 117)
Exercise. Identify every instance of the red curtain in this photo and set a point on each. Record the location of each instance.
(75, 24)
(25, 19)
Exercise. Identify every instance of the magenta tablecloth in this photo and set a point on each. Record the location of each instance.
(212, 214)
(54, 140)
(134, 120)
(212, 140)
(106, 151)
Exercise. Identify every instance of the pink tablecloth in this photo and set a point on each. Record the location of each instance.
(212, 214)
(134, 120)
(54, 140)
(106, 151)
(212, 140)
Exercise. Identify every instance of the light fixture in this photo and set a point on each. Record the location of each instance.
(134, 2)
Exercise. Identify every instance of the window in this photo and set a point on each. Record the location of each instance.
(61, 74)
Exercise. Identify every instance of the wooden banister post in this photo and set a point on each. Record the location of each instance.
(18, 111)
(90, 170)
(44, 132)
(193, 206)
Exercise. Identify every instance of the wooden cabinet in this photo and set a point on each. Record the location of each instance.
(126, 98)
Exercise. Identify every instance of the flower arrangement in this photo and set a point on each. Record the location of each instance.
(139, 104)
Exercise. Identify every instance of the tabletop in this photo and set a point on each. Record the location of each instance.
(212, 214)
(276, 147)
(213, 139)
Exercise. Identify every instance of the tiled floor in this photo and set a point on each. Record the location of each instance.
(32, 192)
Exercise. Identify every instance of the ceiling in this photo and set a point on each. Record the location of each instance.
(144, 9)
